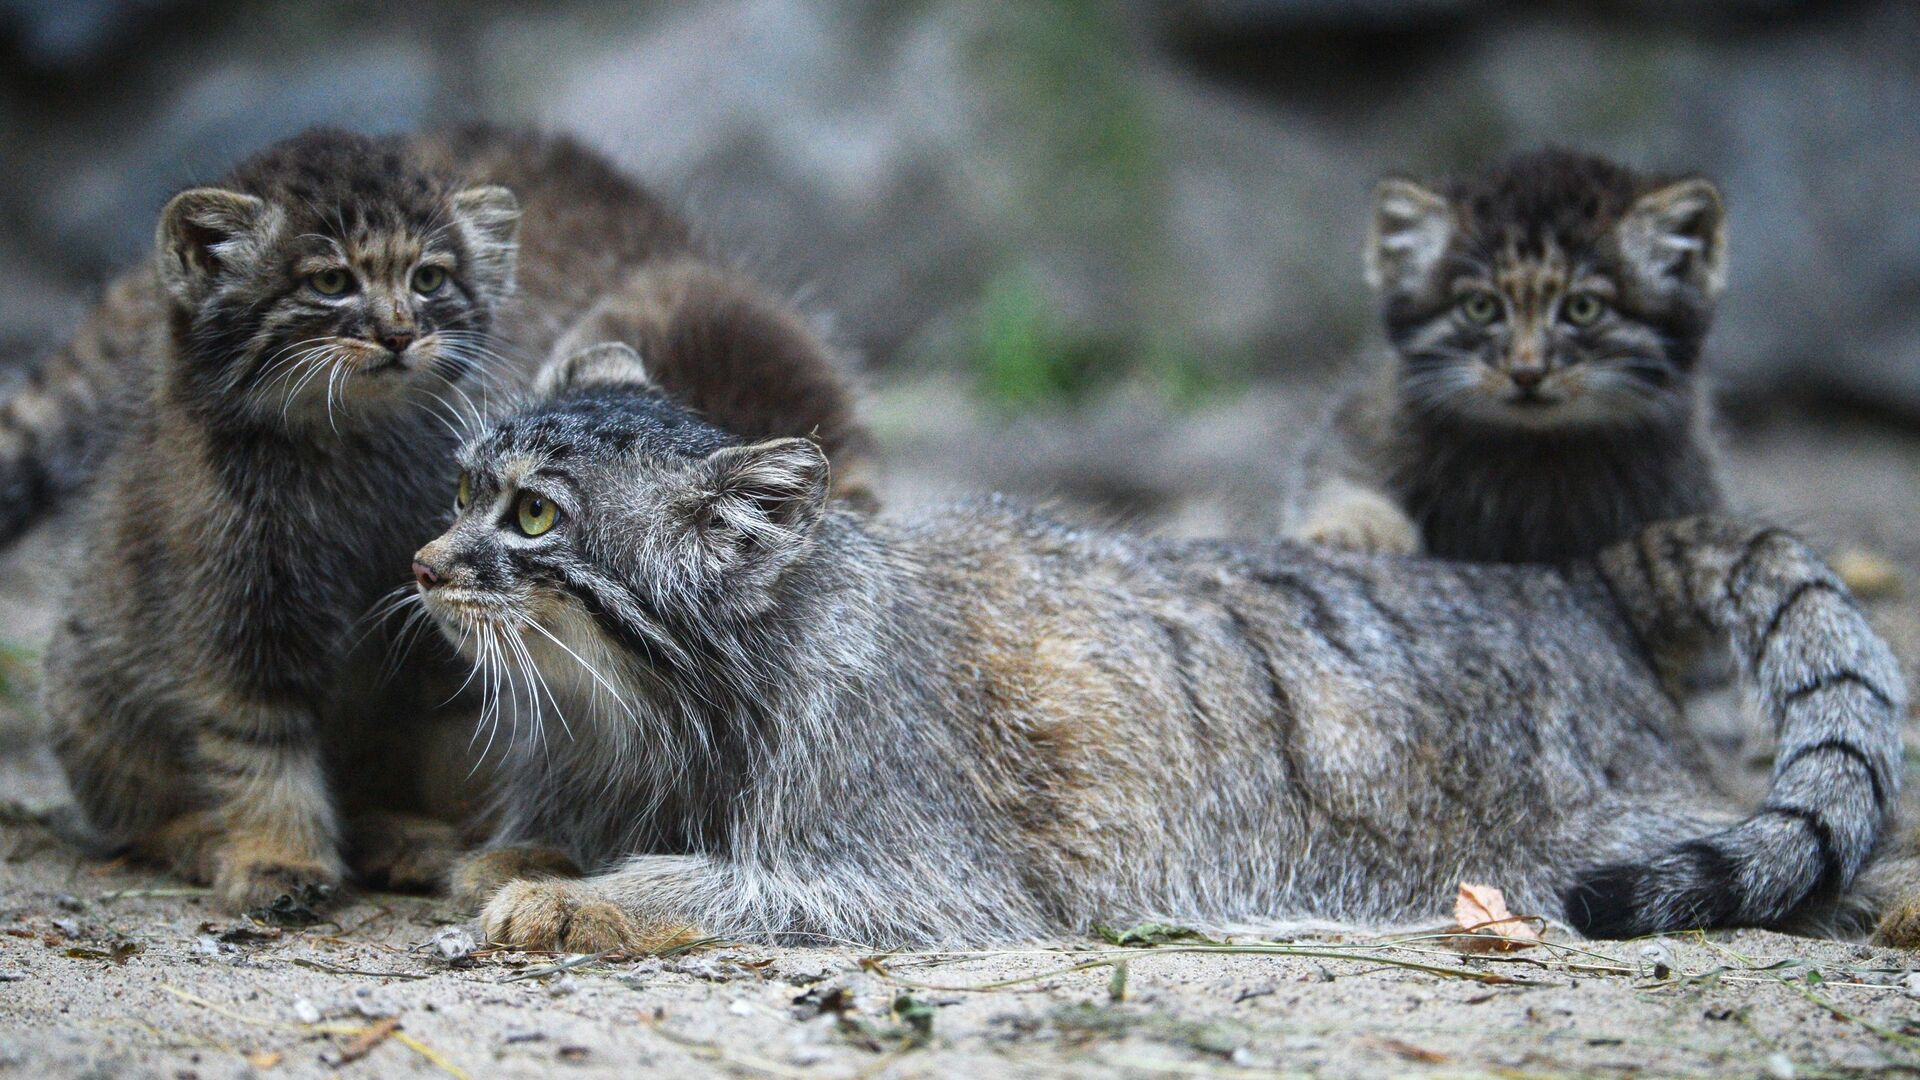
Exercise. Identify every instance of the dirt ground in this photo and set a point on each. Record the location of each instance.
(112, 971)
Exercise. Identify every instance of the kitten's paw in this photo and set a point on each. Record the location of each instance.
(402, 852)
(1900, 925)
(253, 873)
(567, 916)
(480, 875)
(1368, 524)
(189, 845)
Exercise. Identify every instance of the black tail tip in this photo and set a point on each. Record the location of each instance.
(1604, 904)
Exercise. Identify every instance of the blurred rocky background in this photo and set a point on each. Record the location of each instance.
(1042, 198)
(1106, 251)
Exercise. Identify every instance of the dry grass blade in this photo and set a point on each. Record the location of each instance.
(352, 1031)
(334, 969)
(373, 1035)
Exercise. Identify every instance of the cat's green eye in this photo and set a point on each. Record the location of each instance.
(331, 282)
(463, 495)
(536, 514)
(1480, 307)
(428, 279)
(1582, 309)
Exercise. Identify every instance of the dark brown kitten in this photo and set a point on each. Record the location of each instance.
(328, 319)
(1543, 399)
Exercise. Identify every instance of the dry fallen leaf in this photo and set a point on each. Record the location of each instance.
(1481, 917)
(264, 1059)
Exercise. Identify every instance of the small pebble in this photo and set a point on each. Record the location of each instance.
(562, 986)
(1657, 958)
(1780, 1067)
(69, 927)
(69, 902)
(305, 1011)
(454, 943)
(1911, 984)
(740, 1007)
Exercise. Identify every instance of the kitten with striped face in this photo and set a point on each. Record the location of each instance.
(1543, 398)
(309, 340)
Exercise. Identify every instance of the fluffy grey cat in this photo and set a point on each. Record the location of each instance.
(764, 716)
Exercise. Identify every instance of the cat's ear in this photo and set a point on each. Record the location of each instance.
(609, 362)
(1410, 229)
(204, 232)
(1678, 235)
(489, 217)
(771, 493)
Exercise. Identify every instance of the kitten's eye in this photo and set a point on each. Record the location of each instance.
(536, 514)
(428, 279)
(1480, 307)
(463, 496)
(332, 282)
(1582, 309)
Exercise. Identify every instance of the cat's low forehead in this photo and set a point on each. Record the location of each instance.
(605, 423)
(342, 184)
(1546, 200)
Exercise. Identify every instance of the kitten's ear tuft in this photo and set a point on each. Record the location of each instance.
(489, 217)
(1410, 230)
(1678, 235)
(773, 492)
(610, 362)
(202, 232)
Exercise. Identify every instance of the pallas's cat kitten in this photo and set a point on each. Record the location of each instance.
(325, 320)
(763, 716)
(1542, 397)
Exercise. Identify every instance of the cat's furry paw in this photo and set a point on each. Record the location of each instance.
(480, 875)
(1364, 522)
(189, 845)
(567, 916)
(1899, 926)
(253, 872)
(402, 852)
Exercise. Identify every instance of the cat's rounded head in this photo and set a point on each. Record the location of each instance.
(334, 272)
(1557, 290)
(606, 517)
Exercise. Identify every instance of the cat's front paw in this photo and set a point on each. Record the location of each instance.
(479, 876)
(1367, 524)
(254, 873)
(402, 852)
(1899, 926)
(568, 916)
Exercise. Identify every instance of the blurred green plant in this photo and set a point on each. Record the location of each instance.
(1078, 150)
(1027, 358)
(18, 665)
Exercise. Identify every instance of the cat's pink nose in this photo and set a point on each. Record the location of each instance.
(426, 575)
(397, 341)
(1527, 378)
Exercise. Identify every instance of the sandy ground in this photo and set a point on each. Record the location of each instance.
(115, 971)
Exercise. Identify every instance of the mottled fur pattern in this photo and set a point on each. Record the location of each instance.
(334, 315)
(1542, 398)
(751, 712)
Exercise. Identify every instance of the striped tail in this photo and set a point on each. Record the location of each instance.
(1836, 699)
(47, 425)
